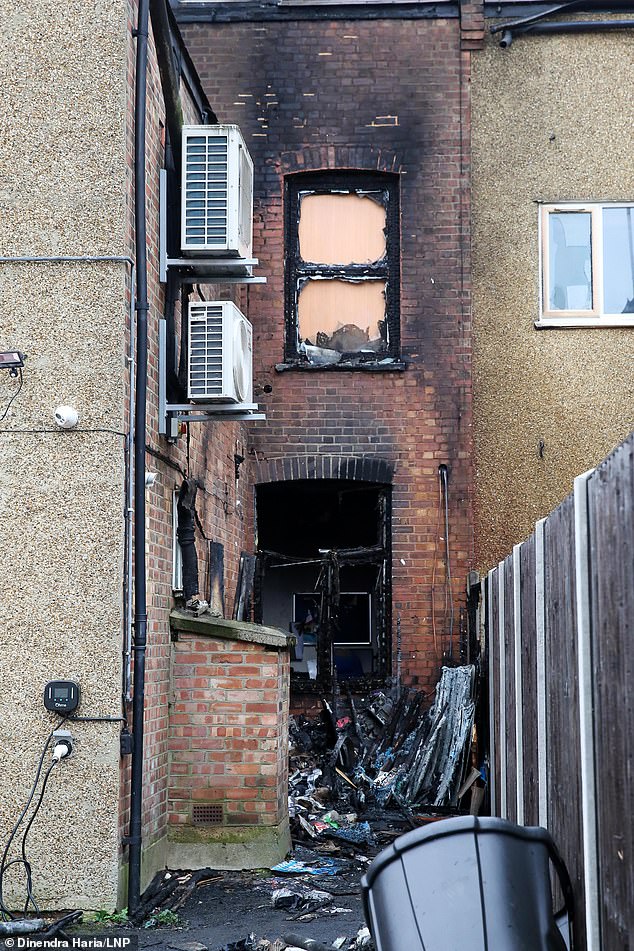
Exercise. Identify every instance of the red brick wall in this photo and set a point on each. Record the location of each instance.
(208, 455)
(309, 95)
(228, 733)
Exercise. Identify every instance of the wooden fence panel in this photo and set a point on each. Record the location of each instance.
(494, 699)
(509, 668)
(611, 507)
(562, 698)
(528, 703)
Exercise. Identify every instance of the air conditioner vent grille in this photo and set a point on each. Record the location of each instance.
(206, 190)
(205, 359)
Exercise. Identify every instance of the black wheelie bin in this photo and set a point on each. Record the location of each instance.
(481, 884)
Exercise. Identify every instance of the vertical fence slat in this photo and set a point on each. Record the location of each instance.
(540, 660)
(519, 705)
(530, 693)
(511, 712)
(562, 694)
(611, 504)
(586, 729)
(502, 689)
(493, 699)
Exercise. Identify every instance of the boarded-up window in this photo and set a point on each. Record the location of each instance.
(342, 229)
(342, 269)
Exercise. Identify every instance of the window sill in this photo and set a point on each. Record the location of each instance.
(391, 366)
(589, 322)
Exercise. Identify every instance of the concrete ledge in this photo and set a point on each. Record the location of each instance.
(209, 626)
(229, 847)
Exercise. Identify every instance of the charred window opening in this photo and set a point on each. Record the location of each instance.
(342, 269)
(324, 573)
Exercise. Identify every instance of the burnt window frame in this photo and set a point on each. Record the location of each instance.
(388, 269)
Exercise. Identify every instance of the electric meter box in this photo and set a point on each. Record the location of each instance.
(61, 696)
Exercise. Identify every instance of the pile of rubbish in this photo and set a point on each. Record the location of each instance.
(361, 942)
(387, 753)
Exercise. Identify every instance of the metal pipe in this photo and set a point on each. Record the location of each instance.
(66, 259)
(534, 17)
(128, 607)
(562, 26)
(140, 614)
(578, 26)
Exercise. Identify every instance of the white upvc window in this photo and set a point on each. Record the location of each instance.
(587, 264)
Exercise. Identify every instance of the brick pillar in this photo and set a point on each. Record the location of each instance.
(228, 744)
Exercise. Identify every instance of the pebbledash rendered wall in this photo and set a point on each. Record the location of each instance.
(66, 148)
(552, 121)
(63, 192)
(389, 95)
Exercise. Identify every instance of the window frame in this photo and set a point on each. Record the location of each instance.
(387, 270)
(596, 317)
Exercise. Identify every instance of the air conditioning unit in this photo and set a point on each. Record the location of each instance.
(220, 359)
(217, 192)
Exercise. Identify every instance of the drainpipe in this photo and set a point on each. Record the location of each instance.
(140, 597)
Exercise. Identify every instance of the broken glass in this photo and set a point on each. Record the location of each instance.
(341, 316)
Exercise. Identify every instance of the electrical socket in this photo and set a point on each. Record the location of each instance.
(62, 735)
(65, 737)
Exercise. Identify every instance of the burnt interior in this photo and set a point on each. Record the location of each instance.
(324, 573)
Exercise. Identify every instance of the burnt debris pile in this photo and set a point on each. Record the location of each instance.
(386, 755)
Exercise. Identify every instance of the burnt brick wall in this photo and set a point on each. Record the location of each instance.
(231, 752)
(389, 95)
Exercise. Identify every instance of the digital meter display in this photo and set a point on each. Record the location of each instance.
(61, 696)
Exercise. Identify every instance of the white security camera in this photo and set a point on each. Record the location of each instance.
(150, 478)
(66, 417)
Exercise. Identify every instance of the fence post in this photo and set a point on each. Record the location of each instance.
(540, 654)
(519, 723)
(490, 634)
(503, 803)
(586, 718)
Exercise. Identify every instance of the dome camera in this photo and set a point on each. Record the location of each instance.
(66, 417)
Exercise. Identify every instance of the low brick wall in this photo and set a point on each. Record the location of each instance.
(228, 744)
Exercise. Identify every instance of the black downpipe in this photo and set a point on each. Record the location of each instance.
(140, 595)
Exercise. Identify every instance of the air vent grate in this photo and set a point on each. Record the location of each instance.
(205, 355)
(209, 814)
(206, 190)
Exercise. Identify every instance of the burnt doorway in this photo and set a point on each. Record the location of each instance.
(324, 573)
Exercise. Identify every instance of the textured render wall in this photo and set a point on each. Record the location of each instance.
(552, 120)
(311, 95)
(62, 151)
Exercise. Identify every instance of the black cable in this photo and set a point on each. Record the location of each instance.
(24, 860)
(8, 406)
(57, 430)
(4, 911)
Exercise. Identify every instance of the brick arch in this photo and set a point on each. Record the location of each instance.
(337, 157)
(357, 468)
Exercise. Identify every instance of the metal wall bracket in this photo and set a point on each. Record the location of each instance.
(200, 270)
